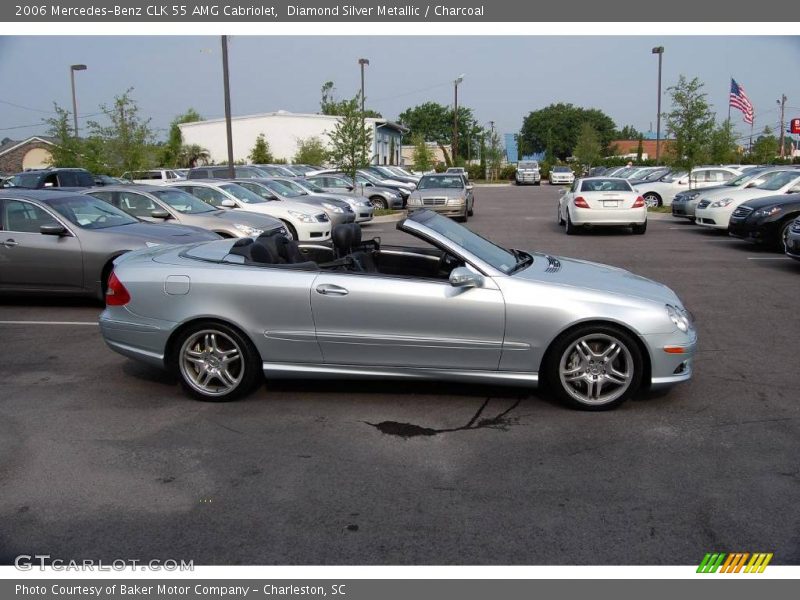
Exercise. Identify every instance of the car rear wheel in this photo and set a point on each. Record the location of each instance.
(570, 229)
(560, 218)
(652, 200)
(216, 363)
(596, 367)
(378, 203)
(640, 229)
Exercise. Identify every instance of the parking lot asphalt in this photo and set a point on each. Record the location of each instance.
(104, 458)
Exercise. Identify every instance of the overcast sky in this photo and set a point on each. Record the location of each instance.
(505, 77)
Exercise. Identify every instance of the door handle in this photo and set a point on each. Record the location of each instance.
(328, 289)
(10, 243)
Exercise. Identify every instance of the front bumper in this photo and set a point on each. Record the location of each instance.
(339, 218)
(755, 230)
(523, 178)
(793, 245)
(608, 217)
(446, 210)
(670, 368)
(314, 232)
(684, 209)
(562, 180)
(716, 218)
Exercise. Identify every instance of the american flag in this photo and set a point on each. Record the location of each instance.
(740, 101)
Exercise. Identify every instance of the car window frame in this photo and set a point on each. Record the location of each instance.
(47, 209)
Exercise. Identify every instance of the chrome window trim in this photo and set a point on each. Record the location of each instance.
(46, 209)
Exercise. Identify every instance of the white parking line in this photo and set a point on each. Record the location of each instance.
(48, 323)
(768, 258)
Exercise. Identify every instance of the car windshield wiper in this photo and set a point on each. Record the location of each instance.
(523, 260)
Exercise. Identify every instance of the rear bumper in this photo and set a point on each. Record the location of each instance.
(608, 217)
(144, 342)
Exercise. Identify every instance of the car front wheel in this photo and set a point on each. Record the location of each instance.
(596, 367)
(378, 203)
(216, 363)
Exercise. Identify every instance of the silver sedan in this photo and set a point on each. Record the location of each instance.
(223, 314)
(446, 194)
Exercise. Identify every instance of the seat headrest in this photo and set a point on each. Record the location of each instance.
(346, 235)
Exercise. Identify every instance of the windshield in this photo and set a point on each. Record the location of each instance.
(25, 180)
(369, 178)
(281, 189)
(674, 176)
(440, 181)
(500, 258)
(183, 202)
(260, 189)
(605, 185)
(311, 186)
(528, 165)
(657, 174)
(241, 194)
(742, 179)
(561, 170)
(778, 180)
(298, 190)
(90, 213)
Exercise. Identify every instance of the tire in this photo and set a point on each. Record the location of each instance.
(784, 234)
(652, 200)
(560, 218)
(569, 228)
(471, 212)
(465, 218)
(585, 362)
(640, 229)
(379, 203)
(537, 182)
(292, 231)
(215, 362)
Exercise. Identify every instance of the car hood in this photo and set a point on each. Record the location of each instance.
(773, 200)
(449, 192)
(161, 232)
(595, 276)
(708, 190)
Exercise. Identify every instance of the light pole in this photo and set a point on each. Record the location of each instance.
(363, 62)
(227, 91)
(660, 51)
(458, 80)
(782, 104)
(72, 69)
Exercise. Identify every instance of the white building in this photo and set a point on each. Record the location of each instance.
(282, 131)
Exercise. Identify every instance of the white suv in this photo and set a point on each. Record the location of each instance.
(528, 172)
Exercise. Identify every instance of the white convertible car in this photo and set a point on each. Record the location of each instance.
(602, 201)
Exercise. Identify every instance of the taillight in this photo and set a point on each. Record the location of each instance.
(116, 294)
(580, 202)
(639, 203)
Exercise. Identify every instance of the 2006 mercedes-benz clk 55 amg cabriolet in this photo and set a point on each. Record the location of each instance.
(460, 308)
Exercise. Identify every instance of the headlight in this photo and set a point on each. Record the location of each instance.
(392, 195)
(767, 212)
(332, 208)
(455, 201)
(689, 196)
(364, 204)
(247, 230)
(680, 317)
(721, 203)
(302, 216)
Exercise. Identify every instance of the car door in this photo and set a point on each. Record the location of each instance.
(30, 259)
(378, 320)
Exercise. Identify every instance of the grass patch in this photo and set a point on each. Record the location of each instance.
(382, 212)
(660, 209)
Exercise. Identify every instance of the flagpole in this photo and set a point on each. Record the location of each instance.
(729, 99)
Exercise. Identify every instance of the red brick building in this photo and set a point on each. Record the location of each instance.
(625, 147)
(32, 153)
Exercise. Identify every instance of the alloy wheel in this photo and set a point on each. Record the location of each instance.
(210, 361)
(596, 369)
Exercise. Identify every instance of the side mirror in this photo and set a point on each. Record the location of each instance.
(53, 230)
(228, 203)
(470, 186)
(350, 188)
(462, 277)
(160, 214)
(683, 181)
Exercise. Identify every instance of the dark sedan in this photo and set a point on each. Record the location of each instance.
(766, 221)
(53, 241)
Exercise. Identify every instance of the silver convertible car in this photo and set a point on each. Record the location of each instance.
(219, 314)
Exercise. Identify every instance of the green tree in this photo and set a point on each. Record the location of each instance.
(764, 148)
(555, 129)
(690, 122)
(127, 138)
(435, 123)
(722, 146)
(423, 156)
(67, 150)
(191, 155)
(311, 151)
(629, 132)
(494, 153)
(350, 139)
(330, 106)
(171, 151)
(588, 148)
(260, 154)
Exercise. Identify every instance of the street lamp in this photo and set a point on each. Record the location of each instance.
(72, 69)
(458, 80)
(226, 89)
(660, 51)
(363, 62)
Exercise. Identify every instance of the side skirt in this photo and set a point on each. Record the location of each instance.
(318, 371)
